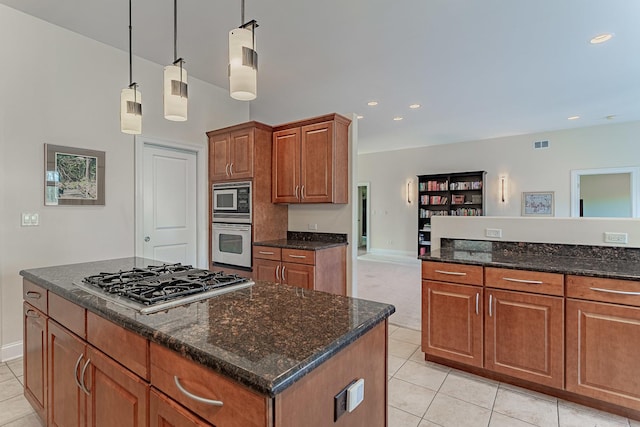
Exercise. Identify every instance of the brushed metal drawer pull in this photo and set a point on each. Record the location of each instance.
(283, 278)
(528, 282)
(82, 377)
(278, 272)
(266, 253)
(195, 397)
(477, 300)
(32, 313)
(298, 256)
(75, 371)
(613, 291)
(490, 304)
(231, 168)
(34, 295)
(296, 191)
(226, 169)
(451, 273)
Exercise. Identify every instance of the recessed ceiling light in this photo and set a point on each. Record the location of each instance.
(414, 106)
(397, 118)
(573, 118)
(601, 38)
(610, 117)
(359, 116)
(372, 103)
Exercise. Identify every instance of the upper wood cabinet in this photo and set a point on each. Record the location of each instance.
(231, 151)
(310, 161)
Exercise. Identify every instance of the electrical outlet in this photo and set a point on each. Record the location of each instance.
(313, 226)
(493, 232)
(340, 404)
(615, 237)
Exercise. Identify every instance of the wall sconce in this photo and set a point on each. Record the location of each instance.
(409, 192)
(504, 188)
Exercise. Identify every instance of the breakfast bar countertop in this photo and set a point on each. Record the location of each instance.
(595, 261)
(266, 336)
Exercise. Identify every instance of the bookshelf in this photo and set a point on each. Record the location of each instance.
(450, 194)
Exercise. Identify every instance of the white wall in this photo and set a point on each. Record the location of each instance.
(607, 195)
(58, 87)
(394, 221)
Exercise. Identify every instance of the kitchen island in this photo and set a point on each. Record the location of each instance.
(274, 355)
(560, 319)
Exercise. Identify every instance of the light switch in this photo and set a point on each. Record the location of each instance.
(26, 219)
(35, 219)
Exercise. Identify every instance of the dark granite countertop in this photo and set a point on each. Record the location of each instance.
(307, 241)
(594, 261)
(266, 337)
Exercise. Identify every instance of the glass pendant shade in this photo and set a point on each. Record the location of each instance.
(131, 111)
(175, 93)
(243, 67)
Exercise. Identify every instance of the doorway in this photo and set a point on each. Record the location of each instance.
(364, 215)
(607, 192)
(171, 195)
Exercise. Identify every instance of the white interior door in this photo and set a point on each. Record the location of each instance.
(169, 205)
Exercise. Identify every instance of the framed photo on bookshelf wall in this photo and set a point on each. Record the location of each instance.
(538, 203)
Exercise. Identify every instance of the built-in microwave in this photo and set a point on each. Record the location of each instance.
(231, 202)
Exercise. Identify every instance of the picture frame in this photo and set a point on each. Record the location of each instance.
(538, 203)
(73, 176)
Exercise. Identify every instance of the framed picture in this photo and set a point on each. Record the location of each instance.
(73, 176)
(537, 203)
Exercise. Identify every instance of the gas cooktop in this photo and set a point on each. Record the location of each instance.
(160, 287)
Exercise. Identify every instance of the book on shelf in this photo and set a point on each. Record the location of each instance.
(426, 213)
(466, 185)
(434, 186)
(457, 199)
(466, 212)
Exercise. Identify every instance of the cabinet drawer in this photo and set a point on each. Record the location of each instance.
(35, 295)
(68, 314)
(625, 292)
(241, 406)
(524, 280)
(299, 256)
(267, 252)
(124, 346)
(455, 273)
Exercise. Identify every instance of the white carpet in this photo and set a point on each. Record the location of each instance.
(392, 280)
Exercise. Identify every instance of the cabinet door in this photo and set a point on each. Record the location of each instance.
(35, 359)
(267, 270)
(219, 155)
(285, 185)
(241, 154)
(300, 275)
(316, 163)
(603, 344)
(452, 322)
(65, 362)
(116, 397)
(164, 412)
(524, 336)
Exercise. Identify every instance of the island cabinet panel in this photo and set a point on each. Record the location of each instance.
(35, 359)
(524, 336)
(128, 348)
(66, 362)
(300, 275)
(310, 401)
(164, 412)
(267, 270)
(116, 397)
(185, 382)
(603, 344)
(452, 322)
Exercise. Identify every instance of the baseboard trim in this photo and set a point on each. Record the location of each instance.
(11, 351)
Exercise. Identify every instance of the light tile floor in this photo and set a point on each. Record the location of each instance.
(425, 394)
(421, 394)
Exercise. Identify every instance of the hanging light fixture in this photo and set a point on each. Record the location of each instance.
(130, 98)
(243, 60)
(175, 80)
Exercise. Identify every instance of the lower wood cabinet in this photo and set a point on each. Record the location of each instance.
(452, 322)
(524, 336)
(35, 359)
(164, 412)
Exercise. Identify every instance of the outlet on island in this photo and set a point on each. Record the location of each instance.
(313, 227)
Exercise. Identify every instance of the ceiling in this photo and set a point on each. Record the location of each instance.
(479, 69)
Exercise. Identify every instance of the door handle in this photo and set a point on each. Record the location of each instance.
(477, 302)
(33, 295)
(147, 238)
(226, 169)
(490, 304)
(528, 282)
(82, 378)
(302, 192)
(297, 256)
(32, 313)
(231, 169)
(195, 397)
(296, 191)
(283, 279)
(75, 372)
(451, 273)
(278, 272)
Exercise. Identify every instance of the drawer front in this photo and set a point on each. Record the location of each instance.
(35, 295)
(124, 346)
(616, 291)
(524, 280)
(267, 252)
(454, 273)
(68, 314)
(299, 256)
(241, 406)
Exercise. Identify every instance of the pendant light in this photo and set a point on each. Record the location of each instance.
(130, 98)
(175, 80)
(243, 60)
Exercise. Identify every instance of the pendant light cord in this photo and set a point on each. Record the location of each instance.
(130, 44)
(242, 13)
(175, 31)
